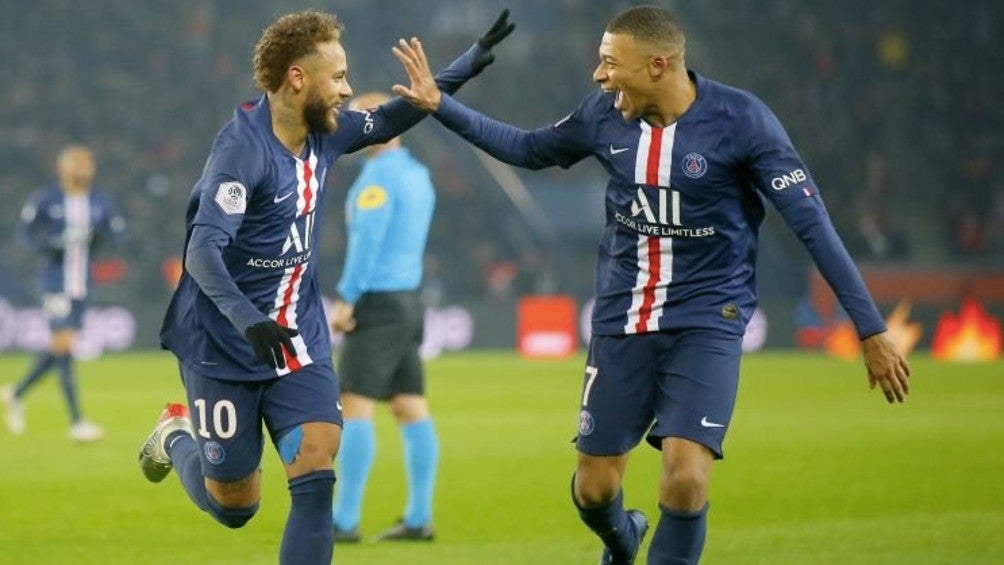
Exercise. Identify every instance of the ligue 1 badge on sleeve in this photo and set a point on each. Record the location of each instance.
(232, 197)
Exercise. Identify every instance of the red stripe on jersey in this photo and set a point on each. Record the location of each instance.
(287, 298)
(307, 193)
(654, 152)
(654, 267)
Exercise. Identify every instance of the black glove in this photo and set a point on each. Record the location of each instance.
(499, 31)
(267, 339)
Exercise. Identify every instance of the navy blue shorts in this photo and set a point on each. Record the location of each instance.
(63, 312)
(666, 384)
(227, 415)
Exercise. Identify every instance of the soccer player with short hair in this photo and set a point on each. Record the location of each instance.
(388, 211)
(691, 162)
(64, 224)
(246, 321)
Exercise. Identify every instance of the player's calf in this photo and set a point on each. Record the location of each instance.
(308, 451)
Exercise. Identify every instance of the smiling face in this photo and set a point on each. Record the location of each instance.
(626, 68)
(325, 86)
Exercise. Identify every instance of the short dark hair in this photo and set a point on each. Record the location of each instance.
(287, 39)
(650, 24)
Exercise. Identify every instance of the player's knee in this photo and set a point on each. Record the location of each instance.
(407, 408)
(686, 479)
(231, 517)
(61, 344)
(310, 447)
(684, 487)
(591, 490)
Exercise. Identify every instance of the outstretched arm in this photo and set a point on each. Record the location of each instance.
(563, 143)
(782, 177)
(397, 116)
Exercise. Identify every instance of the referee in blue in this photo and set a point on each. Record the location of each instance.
(388, 211)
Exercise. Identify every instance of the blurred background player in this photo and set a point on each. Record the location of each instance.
(64, 224)
(691, 162)
(246, 321)
(388, 212)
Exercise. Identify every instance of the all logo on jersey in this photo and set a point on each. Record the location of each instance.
(665, 211)
(232, 197)
(694, 165)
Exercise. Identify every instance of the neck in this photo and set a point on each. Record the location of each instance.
(287, 123)
(73, 189)
(673, 99)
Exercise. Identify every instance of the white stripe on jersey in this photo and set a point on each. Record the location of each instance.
(306, 184)
(653, 167)
(655, 272)
(76, 236)
(287, 297)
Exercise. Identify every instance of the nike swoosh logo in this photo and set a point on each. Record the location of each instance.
(708, 424)
(277, 199)
(338, 403)
(614, 151)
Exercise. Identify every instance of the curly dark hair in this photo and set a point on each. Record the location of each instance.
(287, 39)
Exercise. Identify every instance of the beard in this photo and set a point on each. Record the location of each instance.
(318, 116)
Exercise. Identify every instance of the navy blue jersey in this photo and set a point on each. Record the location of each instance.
(265, 200)
(65, 229)
(683, 206)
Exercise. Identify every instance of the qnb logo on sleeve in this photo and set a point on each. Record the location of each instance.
(232, 197)
(788, 179)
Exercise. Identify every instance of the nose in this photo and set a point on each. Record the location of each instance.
(347, 91)
(599, 75)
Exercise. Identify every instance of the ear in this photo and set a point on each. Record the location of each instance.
(658, 65)
(296, 76)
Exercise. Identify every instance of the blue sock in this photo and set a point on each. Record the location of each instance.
(679, 537)
(421, 457)
(184, 453)
(42, 364)
(69, 385)
(611, 524)
(355, 459)
(309, 537)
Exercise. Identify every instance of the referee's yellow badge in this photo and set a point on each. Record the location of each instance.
(373, 196)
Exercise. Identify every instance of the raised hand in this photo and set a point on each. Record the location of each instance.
(423, 93)
(499, 31)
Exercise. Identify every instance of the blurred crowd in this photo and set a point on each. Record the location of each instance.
(893, 104)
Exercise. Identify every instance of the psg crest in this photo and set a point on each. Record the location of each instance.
(695, 165)
(214, 452)
(585, 423)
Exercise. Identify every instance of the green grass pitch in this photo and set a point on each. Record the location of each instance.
(819, 470)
